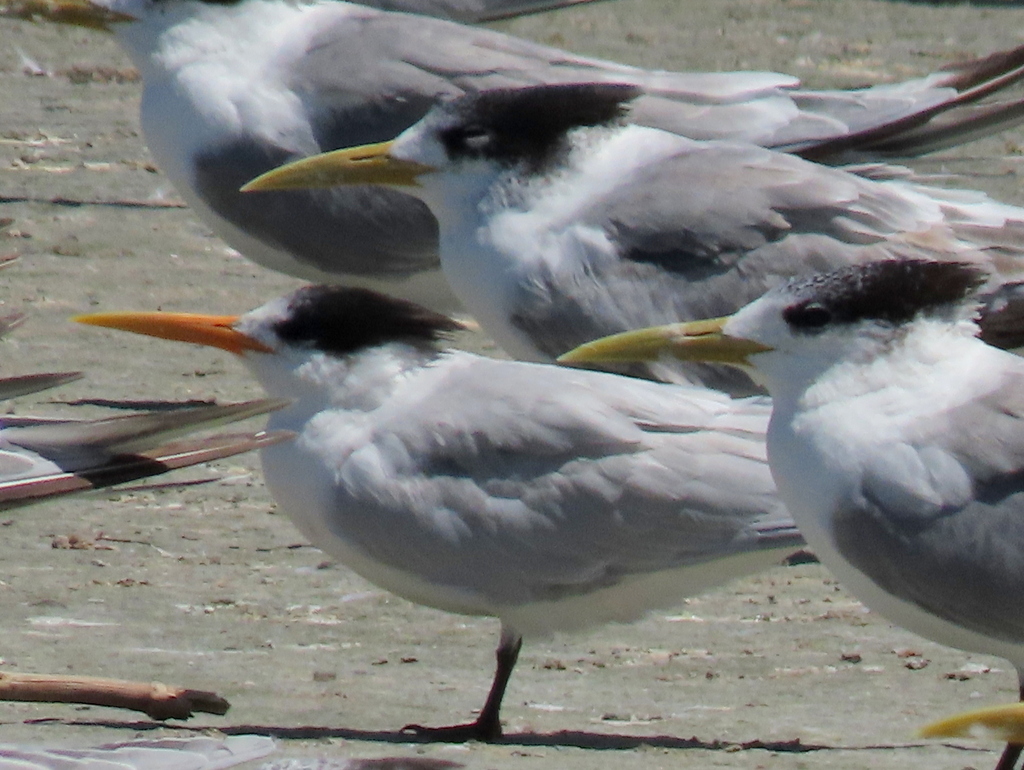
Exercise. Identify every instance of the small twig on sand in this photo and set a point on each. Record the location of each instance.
(158, 701)
(60, 200)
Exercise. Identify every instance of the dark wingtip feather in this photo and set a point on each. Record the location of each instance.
(979, 72)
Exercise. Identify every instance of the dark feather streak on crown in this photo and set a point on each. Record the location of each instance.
(891, 291)
(342, 320)
(529, 126)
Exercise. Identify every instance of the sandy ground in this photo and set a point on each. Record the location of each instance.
(209, 587)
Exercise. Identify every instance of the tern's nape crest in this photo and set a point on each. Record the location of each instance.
(158, 3)
(891, 291)
(529, 126)
(342, 320)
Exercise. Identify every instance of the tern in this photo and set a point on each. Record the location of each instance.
(561, 222)
(539, 495)
(896, 440)
(233, 89)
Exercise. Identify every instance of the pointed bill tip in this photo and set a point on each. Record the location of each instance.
(368, 164)
(308, 173)
(93, 319)
(699, 341)
(642, 345)
(1001, 723)
(211, 330)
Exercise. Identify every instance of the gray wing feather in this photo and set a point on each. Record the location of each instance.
(12, 387)
(368, 73)
(712, 227)
(130, 433)
(367, 76)
(368, 231)
(44, 458)
(940, 523)
(557, 478)
(27, 477)
(386, 57)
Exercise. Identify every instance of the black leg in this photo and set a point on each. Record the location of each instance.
(1010, 756)
(487, 726)
(1012, 751)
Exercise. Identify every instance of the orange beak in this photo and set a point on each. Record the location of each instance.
(212, 330)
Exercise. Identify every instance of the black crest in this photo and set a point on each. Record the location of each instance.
(892, 291)
(208, 2)
(341, 320)
(529, 126)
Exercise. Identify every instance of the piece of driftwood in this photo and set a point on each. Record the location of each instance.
(157, 700)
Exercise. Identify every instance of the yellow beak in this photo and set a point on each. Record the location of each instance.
(213, 330)
(1002, 723)
(368, 164)
(693, 341)
(80, 13)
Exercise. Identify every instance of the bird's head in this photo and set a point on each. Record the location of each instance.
(526, 129)
(336, 321)
(804, 327)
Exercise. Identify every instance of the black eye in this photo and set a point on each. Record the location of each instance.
(475, 134)
(807, 316)
(467, 139)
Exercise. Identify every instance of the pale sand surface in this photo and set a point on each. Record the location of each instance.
(209, 587)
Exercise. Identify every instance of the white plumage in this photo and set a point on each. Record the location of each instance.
(561, 223)
(549, 498)
(233, 89)
(896, 439)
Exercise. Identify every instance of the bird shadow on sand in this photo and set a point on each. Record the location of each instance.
(981, 3)
(970, 3)
(576, 739)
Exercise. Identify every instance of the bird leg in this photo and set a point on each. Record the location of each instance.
(1013, 750)
(487, 726)
(1010, 756)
